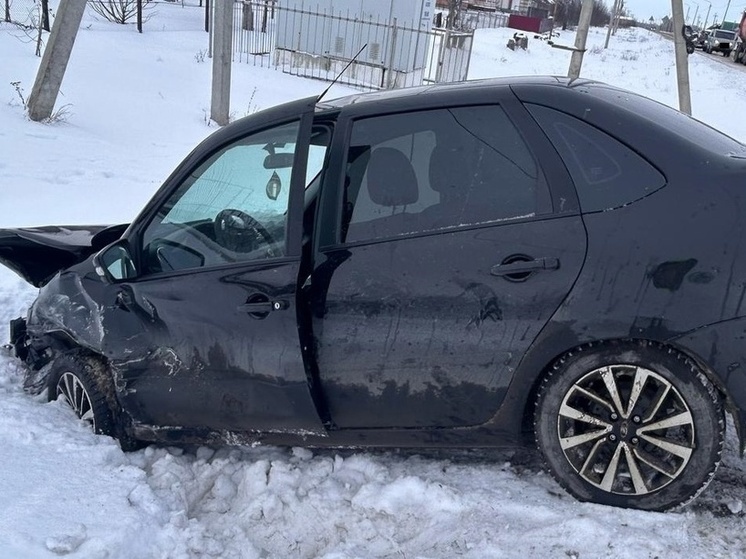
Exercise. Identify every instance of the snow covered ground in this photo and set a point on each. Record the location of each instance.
(137, 104)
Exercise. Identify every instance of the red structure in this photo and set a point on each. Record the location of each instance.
(525, 23)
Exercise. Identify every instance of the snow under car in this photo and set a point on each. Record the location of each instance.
(468, 265)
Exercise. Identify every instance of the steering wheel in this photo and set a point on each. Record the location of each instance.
(239, 232)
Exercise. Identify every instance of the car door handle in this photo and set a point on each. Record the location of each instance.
(522, 266)
(263, 307)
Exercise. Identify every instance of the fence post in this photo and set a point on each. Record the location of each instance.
(465, 75)
(445, 41)
(390, 80)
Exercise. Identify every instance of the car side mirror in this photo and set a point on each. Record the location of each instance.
(114, 263)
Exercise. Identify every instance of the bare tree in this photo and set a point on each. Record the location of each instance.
(567, 12)
(454, 14)
(117, 11)
(45, 14)
(247, 16)
(7, 10)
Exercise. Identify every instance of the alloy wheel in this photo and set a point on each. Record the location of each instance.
(71, 388)
(626, 429)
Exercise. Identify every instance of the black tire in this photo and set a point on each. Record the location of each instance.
(86, 385)
(656, 456)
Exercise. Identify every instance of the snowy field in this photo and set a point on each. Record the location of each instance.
(136, 105)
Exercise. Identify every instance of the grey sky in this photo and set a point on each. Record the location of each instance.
(643, 9)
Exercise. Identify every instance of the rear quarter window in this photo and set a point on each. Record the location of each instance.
(607, 174)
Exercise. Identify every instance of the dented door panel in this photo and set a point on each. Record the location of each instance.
(198, 357)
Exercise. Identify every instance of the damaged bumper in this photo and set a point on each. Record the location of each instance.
(18, 338)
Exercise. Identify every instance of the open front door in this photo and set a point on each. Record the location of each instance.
(205, 334)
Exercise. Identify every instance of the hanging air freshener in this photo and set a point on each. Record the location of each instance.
(274, 186)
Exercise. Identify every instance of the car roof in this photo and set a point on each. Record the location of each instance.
(436, 90)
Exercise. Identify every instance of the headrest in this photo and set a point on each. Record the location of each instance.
(391, 178)
(449, 169)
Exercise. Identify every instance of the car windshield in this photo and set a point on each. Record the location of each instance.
(725, 34)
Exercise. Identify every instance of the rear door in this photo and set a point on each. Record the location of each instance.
(457, 237)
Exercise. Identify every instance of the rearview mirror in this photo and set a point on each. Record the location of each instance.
(279, 161)
(114, 263)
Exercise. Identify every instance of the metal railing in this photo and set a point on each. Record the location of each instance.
(479, 19)
(20, 12)
(319, 44)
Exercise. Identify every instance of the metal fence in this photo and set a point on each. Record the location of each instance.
(483, 19)
(319, 44)
(21, 12)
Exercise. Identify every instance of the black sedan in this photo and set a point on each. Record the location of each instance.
(468, 265)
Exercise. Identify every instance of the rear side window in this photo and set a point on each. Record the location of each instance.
(429, 170)
(607, 174)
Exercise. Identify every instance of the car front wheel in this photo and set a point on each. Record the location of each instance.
(631, 424)
(74, 379)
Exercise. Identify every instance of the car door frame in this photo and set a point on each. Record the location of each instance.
(559, 184)
(302, 111)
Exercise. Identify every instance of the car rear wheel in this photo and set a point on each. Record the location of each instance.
(73, 380)
(630, 424)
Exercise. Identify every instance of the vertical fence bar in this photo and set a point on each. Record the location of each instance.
(390, 82)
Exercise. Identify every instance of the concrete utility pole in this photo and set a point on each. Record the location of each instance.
(682, 62)
(611, 23)
(583, 25)
(618, 17)
(54, 62)
(726, 12)
(704, 25)
(222, 24)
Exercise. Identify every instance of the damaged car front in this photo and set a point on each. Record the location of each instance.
(122, 328)
(55, 259)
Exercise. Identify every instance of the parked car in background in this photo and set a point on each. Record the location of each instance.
(513, 261)
(739, 51)
(721, 41)
(701, 39)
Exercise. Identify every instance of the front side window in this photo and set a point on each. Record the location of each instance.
(231, 208)
(429, 170)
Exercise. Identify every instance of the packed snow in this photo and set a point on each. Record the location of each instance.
(134, 106)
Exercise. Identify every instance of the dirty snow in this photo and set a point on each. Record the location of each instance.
(137, 105)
